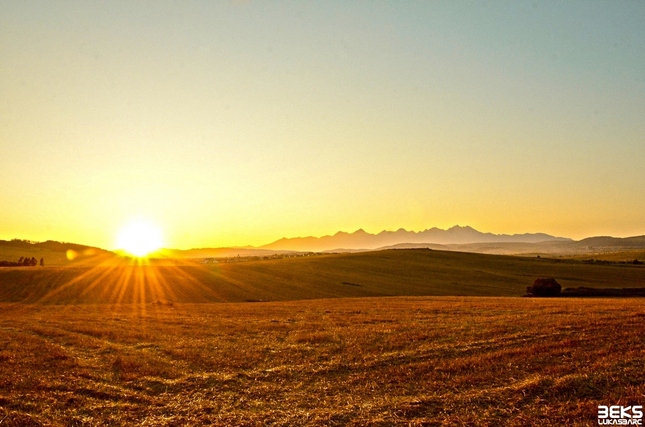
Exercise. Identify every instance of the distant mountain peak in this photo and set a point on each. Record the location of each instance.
(459, 227)
(360, 239)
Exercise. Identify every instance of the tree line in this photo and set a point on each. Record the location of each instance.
(23, 262)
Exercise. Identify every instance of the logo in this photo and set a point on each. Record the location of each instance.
(620, 415)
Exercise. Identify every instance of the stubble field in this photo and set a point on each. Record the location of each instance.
(428, 361)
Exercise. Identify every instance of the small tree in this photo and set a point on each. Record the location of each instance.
(33, 261)
(42, 262)
(20, 261)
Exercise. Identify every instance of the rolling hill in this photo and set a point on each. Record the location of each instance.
(54, 253)
(380, 273)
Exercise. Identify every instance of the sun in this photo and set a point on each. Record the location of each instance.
(139, 238)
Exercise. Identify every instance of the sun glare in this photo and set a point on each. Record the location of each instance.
(139, 238)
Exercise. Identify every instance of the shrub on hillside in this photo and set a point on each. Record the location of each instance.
(544, 287)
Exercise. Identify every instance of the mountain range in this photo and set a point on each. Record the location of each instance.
(457, 238)
(362, 240)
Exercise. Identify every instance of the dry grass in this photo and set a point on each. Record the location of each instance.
(369, 361)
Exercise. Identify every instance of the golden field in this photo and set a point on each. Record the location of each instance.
(407, 337)
(370, 361)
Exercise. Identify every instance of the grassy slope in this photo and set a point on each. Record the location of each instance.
(53, 253)
(385, 273)
(380, 362)
(12, 254)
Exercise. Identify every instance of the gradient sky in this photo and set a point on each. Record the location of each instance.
(241, 122)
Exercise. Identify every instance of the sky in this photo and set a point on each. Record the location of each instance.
(237, 123)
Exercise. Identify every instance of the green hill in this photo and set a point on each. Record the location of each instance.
(384, 273)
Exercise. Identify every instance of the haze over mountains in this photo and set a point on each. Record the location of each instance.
(462, 239)
(457, 238)
(361, 240)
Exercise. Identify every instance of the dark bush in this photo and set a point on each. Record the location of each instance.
(544, 287)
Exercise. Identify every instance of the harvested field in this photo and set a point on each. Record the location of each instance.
(367, 361)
